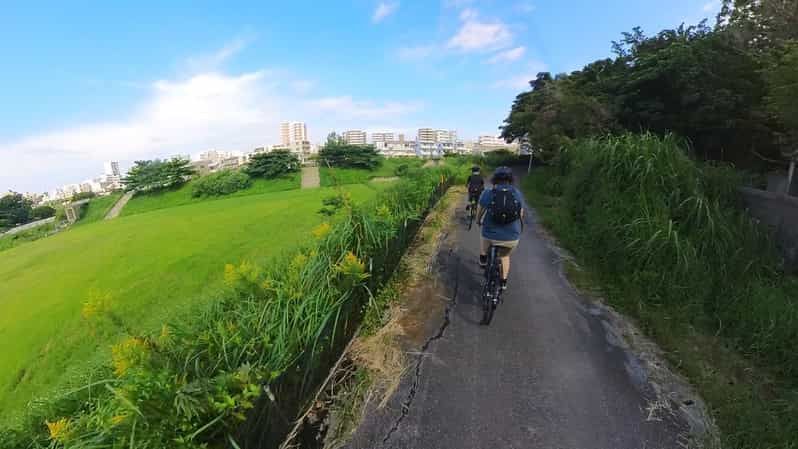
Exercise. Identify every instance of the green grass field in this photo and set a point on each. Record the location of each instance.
(331, 176)
(182, 195)
(98, 207)
(151, 266)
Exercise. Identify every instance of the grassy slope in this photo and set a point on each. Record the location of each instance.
(357, 176)
(746, 401)
(98, 208)
(151, 263)
(10, 241)
(182, 196)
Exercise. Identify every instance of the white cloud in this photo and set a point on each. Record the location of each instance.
(415, 53)
(521, 81)
(510, 55)
(384, 9)
(185, 116)
(479, 35)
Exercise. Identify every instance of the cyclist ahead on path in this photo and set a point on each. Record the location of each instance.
(501, 216)
(475, 184)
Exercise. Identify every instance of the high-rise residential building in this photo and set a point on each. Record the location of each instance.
(491, 141)
(429, 135)
(355, 137)
(443, 136)
(426, 135)
(382, 137)
(293, 132)
(112, 168)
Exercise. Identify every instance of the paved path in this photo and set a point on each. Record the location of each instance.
(117, 209)
(310, 177)
(550, 372)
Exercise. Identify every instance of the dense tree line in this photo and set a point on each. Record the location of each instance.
(337, 153)
(16, 210)
(730, 90)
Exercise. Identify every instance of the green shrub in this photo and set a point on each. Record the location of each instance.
(273, 164)
(41, 212)
(274, 333)
(220, 183)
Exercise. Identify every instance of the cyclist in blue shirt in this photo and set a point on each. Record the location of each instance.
(501, 215)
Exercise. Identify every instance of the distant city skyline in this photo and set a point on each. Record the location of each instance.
(127, 81)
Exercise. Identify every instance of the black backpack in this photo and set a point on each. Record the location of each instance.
(504, 206)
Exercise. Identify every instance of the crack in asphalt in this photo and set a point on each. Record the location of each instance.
(438, 335)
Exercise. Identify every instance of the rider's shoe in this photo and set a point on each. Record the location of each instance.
(483, 261)
(504, 284)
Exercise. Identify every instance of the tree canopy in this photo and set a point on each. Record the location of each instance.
(730, 96)
(335, 153)
(15, 210)
(157, 174)
(272, 164)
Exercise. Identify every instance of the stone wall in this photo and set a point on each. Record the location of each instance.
(779, 212)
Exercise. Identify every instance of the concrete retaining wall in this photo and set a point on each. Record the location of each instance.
(31, 225)
(779, 212)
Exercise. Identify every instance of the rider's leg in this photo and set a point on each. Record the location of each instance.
(484, 246)
(505, 267)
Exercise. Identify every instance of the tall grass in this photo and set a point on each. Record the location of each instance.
(668, 239)
(235, 372)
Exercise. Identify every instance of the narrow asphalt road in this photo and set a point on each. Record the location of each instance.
(547, 373)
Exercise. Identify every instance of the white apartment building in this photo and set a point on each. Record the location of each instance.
(355, 137)
(443, 136)
(214, 155)
(491, 141)
(426, 135)
(430, 135)
(291, 132)
(112, 168)
(396, 148)
(382, 137)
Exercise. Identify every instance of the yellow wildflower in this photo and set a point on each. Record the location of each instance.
(231, 276)
(97, 303)
(299, 261)
(266, 285)
(59, 430)
(118, 419)
(248, 271)
(128, 354)
(321, 230)
(352, 266)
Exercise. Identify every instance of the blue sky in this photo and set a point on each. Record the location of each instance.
(94, 81)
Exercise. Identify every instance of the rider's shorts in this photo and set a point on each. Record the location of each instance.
(505, 246)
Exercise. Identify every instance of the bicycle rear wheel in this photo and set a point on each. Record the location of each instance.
(491, 288)
(471, 214)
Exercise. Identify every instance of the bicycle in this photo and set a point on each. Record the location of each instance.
(492, 288)
(472, 212)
